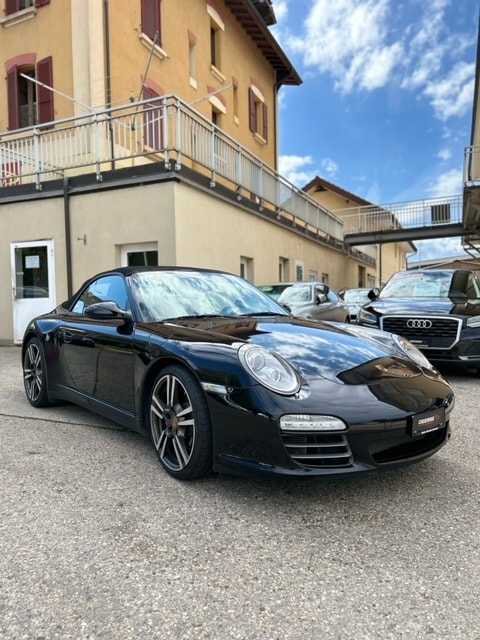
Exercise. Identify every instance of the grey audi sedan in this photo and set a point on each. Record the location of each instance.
(438, 310)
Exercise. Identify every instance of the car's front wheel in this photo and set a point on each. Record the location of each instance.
(180, 424)
(35, 375)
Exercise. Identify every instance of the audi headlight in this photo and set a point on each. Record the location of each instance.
(473, 322)
(412, 352)
(269, 369)
(367, 317)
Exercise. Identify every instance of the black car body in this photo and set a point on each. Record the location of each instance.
(222, 377)
(438, 310)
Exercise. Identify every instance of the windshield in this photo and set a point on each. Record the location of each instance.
(162, 295)
(423, 284)
(356, 295)
(296, 294)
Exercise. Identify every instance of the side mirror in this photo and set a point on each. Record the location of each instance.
(373, 293)
(321, 298)
(107, 310)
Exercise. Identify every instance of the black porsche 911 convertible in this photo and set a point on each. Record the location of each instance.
(221, 377)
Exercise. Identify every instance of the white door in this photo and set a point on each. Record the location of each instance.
(33, 284)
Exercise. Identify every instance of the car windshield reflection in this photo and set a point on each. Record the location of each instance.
(167, 295)
(418, 285)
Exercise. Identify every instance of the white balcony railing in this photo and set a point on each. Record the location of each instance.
(165, 130)
(417, 214)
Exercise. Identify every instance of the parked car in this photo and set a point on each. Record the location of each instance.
(314, 300)
(354, 299)
(220, 376)
(274, 290)
(436, 310)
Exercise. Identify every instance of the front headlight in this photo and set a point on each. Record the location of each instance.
(412, 352)
(269, 369)
(473, 322)
(366, 316)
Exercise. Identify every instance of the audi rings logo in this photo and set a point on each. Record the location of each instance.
(419, 323)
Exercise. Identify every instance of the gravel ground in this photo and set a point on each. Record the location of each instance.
(98, 543)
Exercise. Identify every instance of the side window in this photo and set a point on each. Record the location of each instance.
(111, 288)
(30, 103)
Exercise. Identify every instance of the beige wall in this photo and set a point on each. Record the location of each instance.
(189, 226)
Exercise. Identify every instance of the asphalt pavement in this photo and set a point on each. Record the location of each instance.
(98, 543)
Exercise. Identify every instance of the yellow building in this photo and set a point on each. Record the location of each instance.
(389, 257)
(145, 131)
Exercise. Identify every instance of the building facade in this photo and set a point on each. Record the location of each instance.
(145, 131)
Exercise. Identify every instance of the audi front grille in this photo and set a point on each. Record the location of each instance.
(440, 332)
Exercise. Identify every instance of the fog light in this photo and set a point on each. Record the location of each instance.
(302, 422)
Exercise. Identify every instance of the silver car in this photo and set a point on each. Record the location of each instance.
(314, 300)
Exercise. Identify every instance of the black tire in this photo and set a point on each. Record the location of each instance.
(35, 374)
(180, 424)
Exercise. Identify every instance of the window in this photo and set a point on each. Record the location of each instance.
(299, 271)
(217, 25)
(109, 288)
(153, 120)
(324, 278)
(151, 20)
(246, 268)
(139, 255)
(258, 113)
(30, 103)
(236, 118)
(13, 6)
(283, 270)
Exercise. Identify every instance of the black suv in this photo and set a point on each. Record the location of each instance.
(436, 310)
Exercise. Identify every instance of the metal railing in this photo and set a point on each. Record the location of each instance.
(432, 212)
(161, 130)
(471, 167)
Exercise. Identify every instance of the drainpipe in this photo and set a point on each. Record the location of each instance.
(68, 236)
(108, 71)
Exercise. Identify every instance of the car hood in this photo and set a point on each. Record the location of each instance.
(431, 306)
(317, 349)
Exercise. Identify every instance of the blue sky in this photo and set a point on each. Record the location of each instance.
(385, 108)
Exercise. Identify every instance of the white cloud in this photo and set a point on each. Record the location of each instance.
(281, 10)
(453, 95)
(449, 183)
(444, 154)
(347, 40)
(329, 166)
(296, 169)
(291, 167)
(365, 45)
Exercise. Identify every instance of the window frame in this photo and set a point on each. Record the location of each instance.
(42, 104)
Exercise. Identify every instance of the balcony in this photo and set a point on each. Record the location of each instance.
(168, 133)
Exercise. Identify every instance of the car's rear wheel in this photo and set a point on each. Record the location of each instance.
(180, 424)
(35, 375)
